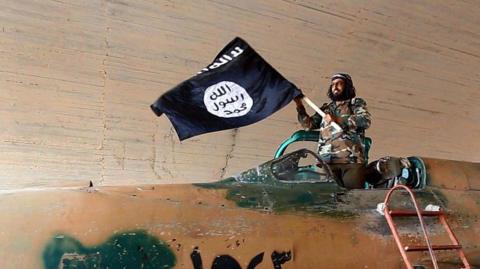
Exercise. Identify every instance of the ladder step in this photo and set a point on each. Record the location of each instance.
(434, 247)
(405, 213)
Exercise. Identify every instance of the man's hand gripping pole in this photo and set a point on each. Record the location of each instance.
(337, 130)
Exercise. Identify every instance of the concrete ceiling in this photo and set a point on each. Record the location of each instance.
(77, 79)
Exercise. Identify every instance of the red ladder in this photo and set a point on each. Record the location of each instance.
(389, 214)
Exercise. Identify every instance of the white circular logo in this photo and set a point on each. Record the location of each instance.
(227, 99)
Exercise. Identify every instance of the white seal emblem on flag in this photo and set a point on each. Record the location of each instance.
(227, 99)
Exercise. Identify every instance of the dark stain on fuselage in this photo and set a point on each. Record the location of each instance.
(130, 249)
(267, 196)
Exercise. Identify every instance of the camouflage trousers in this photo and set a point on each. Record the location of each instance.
(354, 175)
(380, 171)
(350, 175)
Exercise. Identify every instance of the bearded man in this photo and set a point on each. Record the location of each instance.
(345, 153)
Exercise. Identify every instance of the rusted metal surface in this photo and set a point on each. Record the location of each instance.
(454, 175)
(389, 214)
(393, 228)
(183, 226)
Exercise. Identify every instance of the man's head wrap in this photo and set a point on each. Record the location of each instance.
(348, 92)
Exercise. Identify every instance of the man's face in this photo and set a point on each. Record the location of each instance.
(338, 86)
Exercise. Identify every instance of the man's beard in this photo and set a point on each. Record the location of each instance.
(339, 97)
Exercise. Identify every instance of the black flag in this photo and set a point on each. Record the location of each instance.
(238, 88)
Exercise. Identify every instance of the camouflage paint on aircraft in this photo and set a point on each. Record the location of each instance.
(306, 197)
(132, 249)
(260, 189)
(135, 249)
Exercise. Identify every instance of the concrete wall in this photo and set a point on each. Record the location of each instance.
(77, 79)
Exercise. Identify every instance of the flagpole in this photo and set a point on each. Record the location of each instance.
(321, 113)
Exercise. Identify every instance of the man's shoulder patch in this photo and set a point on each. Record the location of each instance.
(358, 102)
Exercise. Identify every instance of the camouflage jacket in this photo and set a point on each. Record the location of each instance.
(352, 115)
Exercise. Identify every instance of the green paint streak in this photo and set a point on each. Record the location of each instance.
(423, 197)
(132, 249)
(258, 189)
(440, 196)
